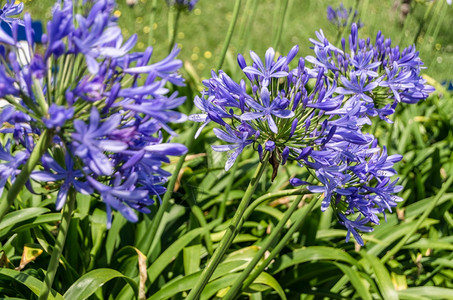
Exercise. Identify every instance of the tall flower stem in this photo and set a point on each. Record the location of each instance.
(230, 233)
(166, 199)
(152, 18)
(226, 43)
(281, 25)
(263, 248)
(417, 225)
(173, 21)
(40, 148)
(281, 244)
(59, 245)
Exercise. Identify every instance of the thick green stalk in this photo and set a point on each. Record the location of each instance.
(235, 288)
(226, 43)
(230, 232)
(59, 245)
(422, 23)
(166, 199)
(40, 148)
(270, 196)
(414, 228)
(152, 18)
(280, 245)
(173, 27)
(282, 23)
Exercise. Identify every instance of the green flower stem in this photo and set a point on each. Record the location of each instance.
(173, 26)
(59, 245)
(230, 232)
(425, 214)
(152, 18)
(280, 245)
(40, 98)
(40, 148)
(270, 196)
(226, 43)
(422, 23)
(282, 23)
(166, 199)
(13, 101)
(235, 288)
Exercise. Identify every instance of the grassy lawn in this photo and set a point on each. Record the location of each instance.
(201, 32)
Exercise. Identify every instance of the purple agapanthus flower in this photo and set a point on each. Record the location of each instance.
(238, 143)
(9, 10)
(267, 110)
(90, 142)
(318, 116)
(122, 196)
(102, 106)
(269, 69)
(340, 16)
(68, 175)
(183, 4)
(10, 168)
(58, 115)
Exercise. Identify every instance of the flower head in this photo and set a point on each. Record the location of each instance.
(104, 107)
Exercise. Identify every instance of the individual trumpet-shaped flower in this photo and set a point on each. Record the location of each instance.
(122, 196)
(238, 140)
(58, 115)
(68, 175)
(352, 227)
(11, 164)
(268, 70)
(90, 142)
(9, 10)
(267, 110)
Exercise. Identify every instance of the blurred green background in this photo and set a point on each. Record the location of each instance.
(201, 32)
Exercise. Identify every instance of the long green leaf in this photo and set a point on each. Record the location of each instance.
(311, 254)
(382, 277)
(172, 252)
(187, 282)
(19, 216)
(430, 292)
(89, 283)
(267, 279)
(29, 281)
(356, 281)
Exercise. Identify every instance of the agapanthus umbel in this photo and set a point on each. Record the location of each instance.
(317, 116)
(341, 15)
(103, 105)
(183, 4)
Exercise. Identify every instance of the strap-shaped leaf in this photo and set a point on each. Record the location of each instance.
(383, 279)
(172, 252)
(91, 281)
(187, 282)
(426, 292)
(311, 254)
(356, 281)
(18, 216)
(29, 281)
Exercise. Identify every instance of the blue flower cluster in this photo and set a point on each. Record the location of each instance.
(103, 105)
(182, 4)
(316, 116)
(340, 17)
(9, 10)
